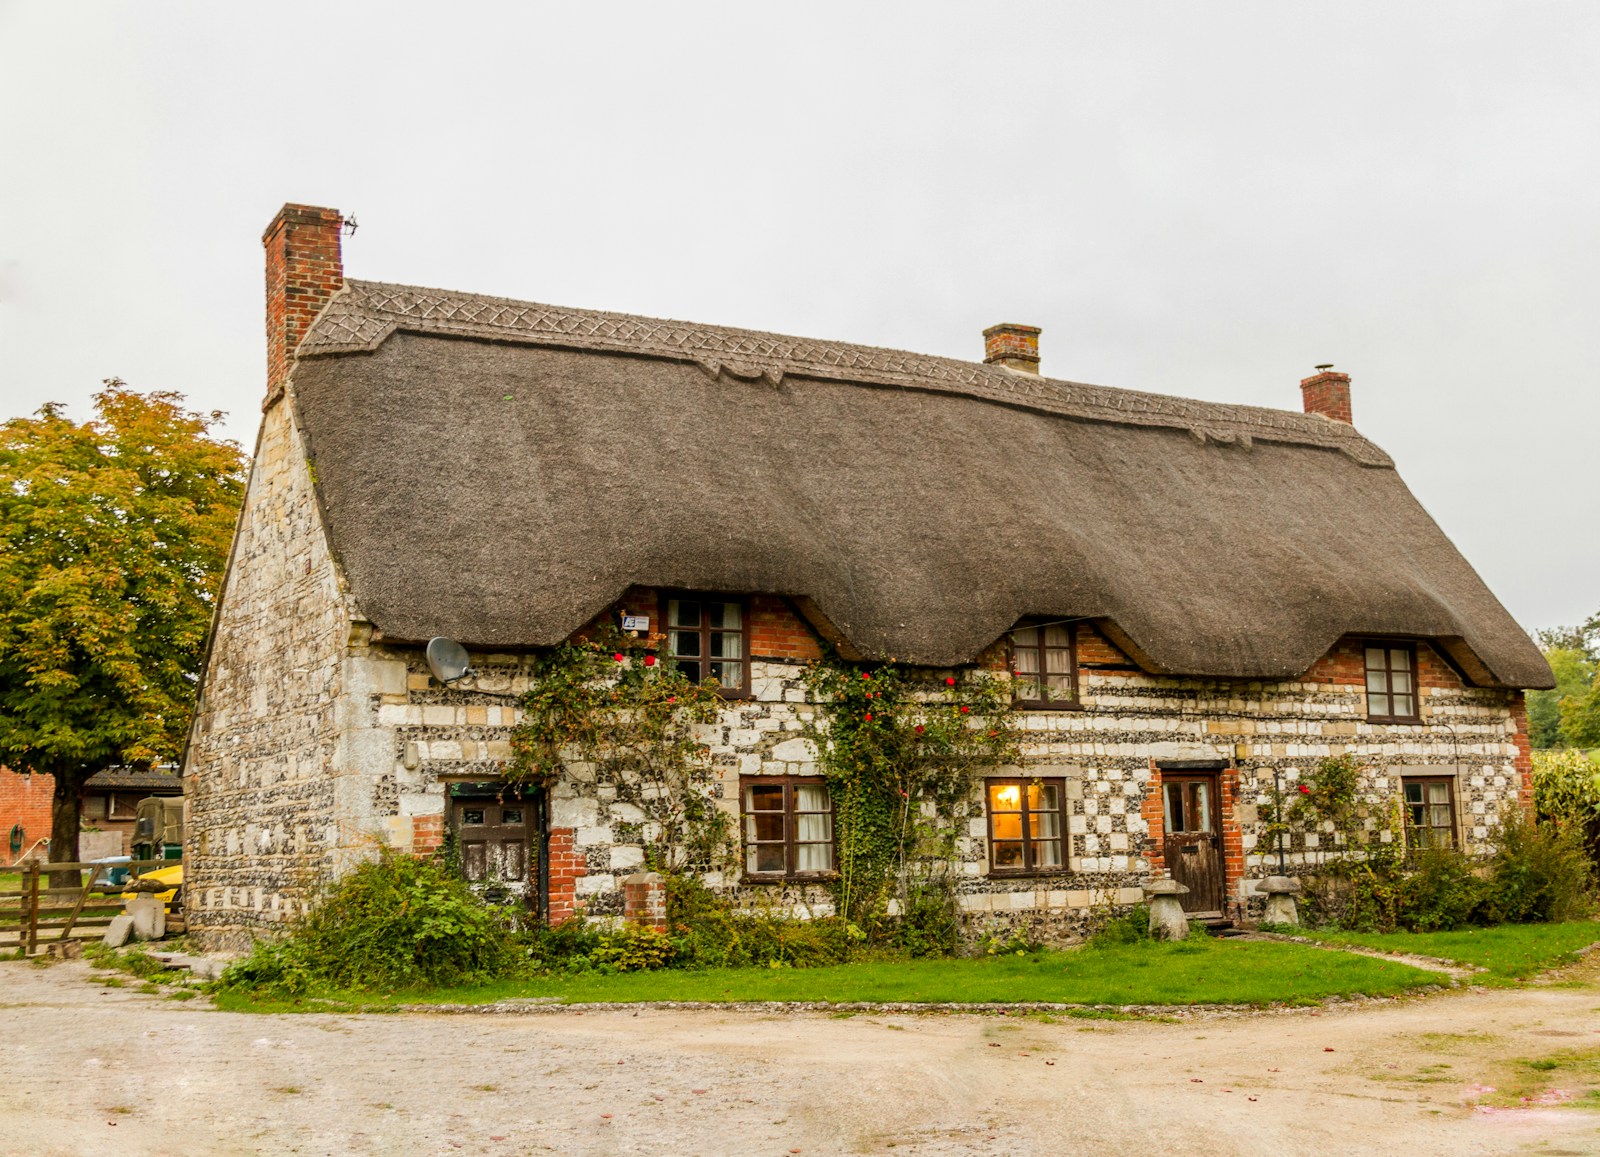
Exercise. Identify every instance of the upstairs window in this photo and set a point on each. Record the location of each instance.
(788, 827)
(1044, 666)
(707, 639)
(1026, 821)
(1430, 811)
(1392, 682)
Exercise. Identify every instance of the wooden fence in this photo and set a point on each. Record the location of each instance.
(36, 913)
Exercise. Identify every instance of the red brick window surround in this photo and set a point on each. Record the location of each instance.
(1044, 665)
(1391, 681)
(708, 637)
(788, 827)
(1027, 826)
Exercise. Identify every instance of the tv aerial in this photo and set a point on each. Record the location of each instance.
(449, 662)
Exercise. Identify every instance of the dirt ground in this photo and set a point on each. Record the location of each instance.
(86, 1069)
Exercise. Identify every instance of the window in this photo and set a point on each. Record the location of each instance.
(1044, 666)
(706, 640)
(1430, 811)
(1392, 682)
(121, 807)
(1026, 819)
(788, 827)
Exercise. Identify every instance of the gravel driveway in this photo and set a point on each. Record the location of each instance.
(95, 1070)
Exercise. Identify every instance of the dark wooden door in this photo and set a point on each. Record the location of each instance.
(1193, 845)
(498, 844)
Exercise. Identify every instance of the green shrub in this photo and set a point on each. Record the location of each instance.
(395, 922)
(710, 934)
(1442, 891)
(930, 924)
(1540, 873)
(1130, 927)
(634, 948)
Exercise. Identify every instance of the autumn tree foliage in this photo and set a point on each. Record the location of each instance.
(113, 537)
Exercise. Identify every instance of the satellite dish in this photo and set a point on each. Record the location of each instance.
(448, 660)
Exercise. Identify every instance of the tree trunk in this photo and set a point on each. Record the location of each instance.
(65, 821)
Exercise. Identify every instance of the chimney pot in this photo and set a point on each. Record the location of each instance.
(1016, 347)
(1327, 393)
(304, 269)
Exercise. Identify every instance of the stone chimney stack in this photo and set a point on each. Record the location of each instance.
(1014, 346)
(304, 269)
(1327, 393)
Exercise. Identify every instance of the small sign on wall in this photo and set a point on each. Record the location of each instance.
(635, 622)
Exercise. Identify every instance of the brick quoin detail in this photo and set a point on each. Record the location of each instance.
(304, 269)
(1156, 822)
(1524, 761)
(567, 867)
(25, 800)
(427, 835)
(644, 900)
(1327, 394)
(1232, 833)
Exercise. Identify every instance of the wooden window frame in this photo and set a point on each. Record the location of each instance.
(668, 597)
(1454, 827)
(120, 807)
(1387, 645)
(1073, 703)
(790, 844)
(1024, 782)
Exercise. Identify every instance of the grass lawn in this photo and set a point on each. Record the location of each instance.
(1508, 951)
(1200, 971)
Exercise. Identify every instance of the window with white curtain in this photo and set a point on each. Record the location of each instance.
(788, 826)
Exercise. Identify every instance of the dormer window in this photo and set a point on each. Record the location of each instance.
(1044, 666)
(707, 639)
(1392, 682)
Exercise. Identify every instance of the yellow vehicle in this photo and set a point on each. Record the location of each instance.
(172, 875)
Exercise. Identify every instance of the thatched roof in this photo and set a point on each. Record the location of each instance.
(500, 472)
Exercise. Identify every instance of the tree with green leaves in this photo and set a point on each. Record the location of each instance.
(113, 537)
(1568, 715)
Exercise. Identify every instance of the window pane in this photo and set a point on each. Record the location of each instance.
(683, 614)
(766, 797)
(722, 615)
(1201, 819)
(511, 815)
(1008, 854)
(1438, 792)
(690, 671)
(1042, 795)
(1005, 797)
(1439, 815)
(1007, 825)
(725, 645)
(813, 858)
(1399, 660)
(686, 643)
(1404, 706)
(811, 798)
(1400, 681)
(727, 674)
(1172, 806)
(764, 826)
(1056, 636)
(1025, 637)
(1413, 792)
(1047, 853)
(1378, 705)
(1059, 688)
(1377, 681)
(1045, 824)
(764, 858)
(1057, 662)
(472, 815)
(1375, 658)
(815, 828)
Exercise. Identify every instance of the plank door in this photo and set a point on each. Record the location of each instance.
(1193, 844)
(498, 846)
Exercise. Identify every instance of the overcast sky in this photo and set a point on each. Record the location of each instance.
(1197, 199)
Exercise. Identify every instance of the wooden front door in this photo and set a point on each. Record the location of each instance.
(498, 843)
(1193, 845)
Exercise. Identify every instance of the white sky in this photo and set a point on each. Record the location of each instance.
(1197, 199)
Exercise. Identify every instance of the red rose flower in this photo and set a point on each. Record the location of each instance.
(919, 729)
(869, 717)
(649, 660)
(949, 680)
(672, 698)
(866, 674)
(1304, 790)
(965, 710)
(617, 656)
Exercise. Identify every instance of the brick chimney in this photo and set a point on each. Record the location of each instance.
(1014, 346)
(304, 269)
(1327, 393)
